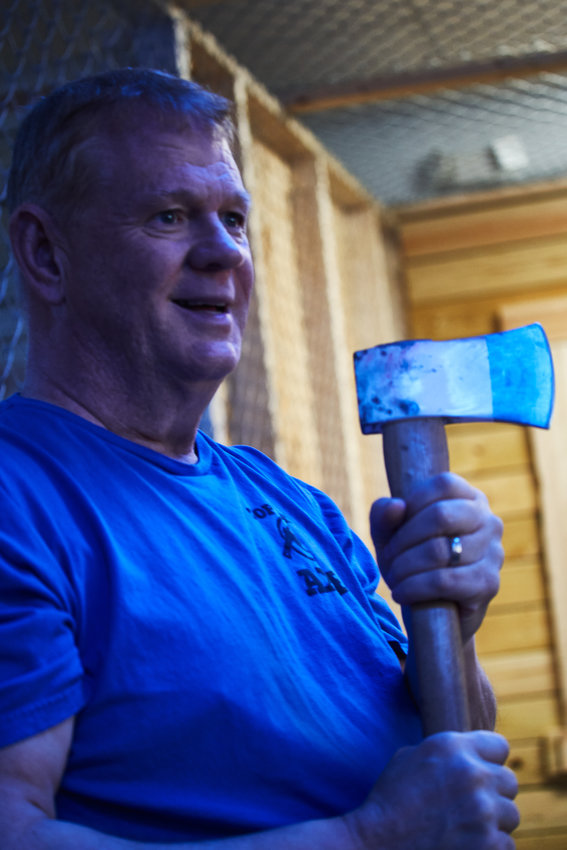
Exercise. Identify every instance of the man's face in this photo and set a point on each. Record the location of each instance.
(159, 266)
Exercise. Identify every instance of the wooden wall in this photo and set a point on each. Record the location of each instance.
(475, 266)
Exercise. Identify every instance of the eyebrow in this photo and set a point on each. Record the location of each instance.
(236, 196)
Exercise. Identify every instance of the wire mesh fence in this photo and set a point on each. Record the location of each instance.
(454, 141)
(300, 45)
(403, 150)
(421, 146)
(43, 44)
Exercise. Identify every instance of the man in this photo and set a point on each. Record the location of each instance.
(170, 672)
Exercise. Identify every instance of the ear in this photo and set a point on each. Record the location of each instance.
(35, 243)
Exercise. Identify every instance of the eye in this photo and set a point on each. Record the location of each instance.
(234, 220)
(169, 217)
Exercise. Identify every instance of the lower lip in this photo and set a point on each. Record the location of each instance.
(216, 316)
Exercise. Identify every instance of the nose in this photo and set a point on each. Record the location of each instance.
(215, 249)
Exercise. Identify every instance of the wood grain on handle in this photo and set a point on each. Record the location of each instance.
(414, 450)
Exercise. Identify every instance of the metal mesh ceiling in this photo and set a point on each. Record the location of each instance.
(454, 141)
(298, 45)
(421, 146)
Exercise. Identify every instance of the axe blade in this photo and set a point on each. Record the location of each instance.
(501, 377)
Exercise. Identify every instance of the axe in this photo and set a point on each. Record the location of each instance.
(409, 391)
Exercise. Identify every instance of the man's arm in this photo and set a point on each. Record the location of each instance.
(482, 702)
(450, 791)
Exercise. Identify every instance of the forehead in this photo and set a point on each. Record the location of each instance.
(155, 152)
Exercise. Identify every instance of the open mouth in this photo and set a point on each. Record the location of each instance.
(211, 307)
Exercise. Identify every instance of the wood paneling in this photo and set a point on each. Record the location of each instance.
(521, 673)
(510, 492)
(542, 840)
(498, 269)
(522, 628)
(527, 760)
(472, 267)
(479, 448)
(529, 717)
(521, 582)
(507, 222)
(467, 265)
(521, 536)
(544, 809)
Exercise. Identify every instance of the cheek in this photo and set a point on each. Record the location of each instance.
(247, 280)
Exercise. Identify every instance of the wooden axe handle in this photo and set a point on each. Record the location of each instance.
(413, 451)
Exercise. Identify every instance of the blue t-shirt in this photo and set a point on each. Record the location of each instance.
(213, 627)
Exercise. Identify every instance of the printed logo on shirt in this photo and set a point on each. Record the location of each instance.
(327, 584)
(315, 580)
(292, 543)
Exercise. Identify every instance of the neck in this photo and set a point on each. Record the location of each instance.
(159, 422)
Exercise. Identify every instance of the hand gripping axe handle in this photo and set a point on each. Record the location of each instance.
(409, 391)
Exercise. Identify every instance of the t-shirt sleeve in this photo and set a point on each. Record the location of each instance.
(364, 564)
(41, 676)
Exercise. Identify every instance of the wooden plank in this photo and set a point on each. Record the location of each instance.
(326, 337)
(479, 448)
(521, 581)
(500, 270)
(543, 809)
(298, 440)
(521, 673)
(532, 717)
(527, 761)
(369, 313)
(521, 536)
(482, 315)
(541, 840)
(424, 81)
(512, 221)
(455, 204)
(549, 312)
(516, 630)
(509, 493)
(321, 344)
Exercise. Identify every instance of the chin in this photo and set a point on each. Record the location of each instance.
(213, 369)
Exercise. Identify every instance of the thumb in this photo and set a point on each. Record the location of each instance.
(386, 516)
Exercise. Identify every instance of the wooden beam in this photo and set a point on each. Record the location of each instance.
(424, 81)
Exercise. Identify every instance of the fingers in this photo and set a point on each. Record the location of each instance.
(443, 507)
(386, 516)
(451, 790)
(413, 546)
(489, 746)
(493, 786)
(414, 581)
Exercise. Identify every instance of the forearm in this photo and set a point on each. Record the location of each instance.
(45, 834)
(482, 702)
(481, 699)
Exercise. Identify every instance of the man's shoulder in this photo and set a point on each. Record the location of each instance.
(256, 463)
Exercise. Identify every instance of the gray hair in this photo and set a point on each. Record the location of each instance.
(47, 167)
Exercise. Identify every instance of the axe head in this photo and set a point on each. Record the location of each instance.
(504, 377)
